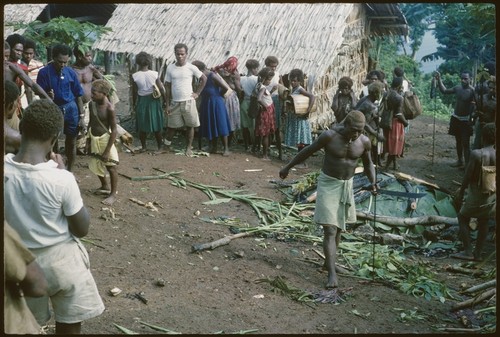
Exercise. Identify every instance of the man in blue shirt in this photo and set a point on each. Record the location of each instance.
(62, 85)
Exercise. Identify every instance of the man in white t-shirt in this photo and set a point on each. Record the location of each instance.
(181, 100)
(42, 202)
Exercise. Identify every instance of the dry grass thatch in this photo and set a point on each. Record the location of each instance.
(24, 13)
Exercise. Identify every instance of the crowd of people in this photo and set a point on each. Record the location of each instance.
(41, 101)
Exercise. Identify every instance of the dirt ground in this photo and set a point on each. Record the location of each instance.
(215, 291)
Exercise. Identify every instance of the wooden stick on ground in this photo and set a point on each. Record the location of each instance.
(429, 220)
(481, 286)
(473, 301)
(217, 243)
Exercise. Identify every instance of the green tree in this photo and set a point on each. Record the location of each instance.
(466, 33)
(62, 30)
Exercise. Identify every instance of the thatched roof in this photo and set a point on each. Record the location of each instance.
(20, 13)
(303, 35)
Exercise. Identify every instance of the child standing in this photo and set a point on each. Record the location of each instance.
(102, 135)
(272, 63)
(248, 83)
(298, 130)
(265, 124)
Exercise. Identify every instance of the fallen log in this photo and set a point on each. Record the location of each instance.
(476, 300)
(428, 220)
(217, 243)
(466, 271)
(459, 330)
(481, 286)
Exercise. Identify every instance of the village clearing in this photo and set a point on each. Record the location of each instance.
(216, 245)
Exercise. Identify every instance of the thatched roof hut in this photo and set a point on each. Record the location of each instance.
(20, 13)
(325, 40)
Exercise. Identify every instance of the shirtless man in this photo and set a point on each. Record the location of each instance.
(86, 74)
(369, 107)
(477, 204)
(344, 145)
(12, 138)
(461, 120)
(13, 72)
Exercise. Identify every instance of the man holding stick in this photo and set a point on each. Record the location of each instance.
(344, 145)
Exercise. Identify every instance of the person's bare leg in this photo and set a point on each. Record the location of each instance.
(104, 184)
(190, 137)
(68, 328)
(265, 147)
(142, 138)
(482, 234)
(330, 242)
(464, 236)
(278, 143)
(226, 146)
(70, 149)
(113, 177)
(159, 140)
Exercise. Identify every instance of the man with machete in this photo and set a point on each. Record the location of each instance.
(344, 145)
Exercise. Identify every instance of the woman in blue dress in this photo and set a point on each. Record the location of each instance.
(214, 119)
(298, 131)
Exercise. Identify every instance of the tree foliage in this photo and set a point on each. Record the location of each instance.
(63, 30)
(467, 35)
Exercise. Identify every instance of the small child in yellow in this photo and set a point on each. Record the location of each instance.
(102, 134)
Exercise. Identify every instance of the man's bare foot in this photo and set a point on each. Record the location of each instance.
(226, 153)
(301, 166)
(189, 152)
(332, 282)
(142, 150)
(109, 200)
(266, 158)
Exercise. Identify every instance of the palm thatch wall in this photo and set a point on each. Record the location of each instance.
(20, 13)
(325, 40)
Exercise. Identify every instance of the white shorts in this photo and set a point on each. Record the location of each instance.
(72, 289)
(183, 114)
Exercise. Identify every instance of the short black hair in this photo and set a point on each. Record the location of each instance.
(399, 72)
(296, 73)
(200, 65)
(77, 52)
(345, 82)
(271, 60)
(11, 92)
(61, 49)
(375, 73)
(252, 64)
(30, 44)
(180, 46)
(143, 59)
(42, 120)
(265, 73)
(14, 39)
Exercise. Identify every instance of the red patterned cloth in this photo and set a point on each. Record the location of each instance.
(265, 123)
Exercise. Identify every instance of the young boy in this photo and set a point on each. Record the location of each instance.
(102, 135)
